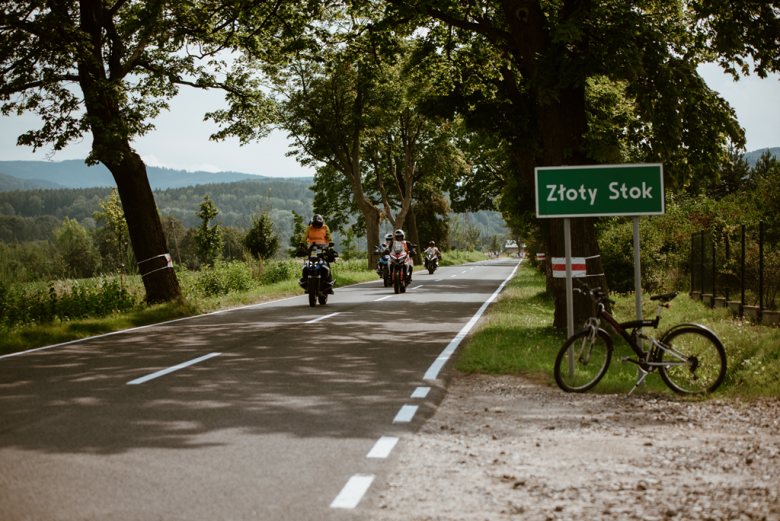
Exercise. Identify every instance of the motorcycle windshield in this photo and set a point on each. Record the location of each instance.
(398, 248)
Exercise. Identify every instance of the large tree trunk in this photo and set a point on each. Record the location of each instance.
(563, 125)
(145, 228)
(414, 238)
(102, 100)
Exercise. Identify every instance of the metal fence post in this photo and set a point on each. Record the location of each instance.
(701, 259)
(714, 275)
(760, 267)
(727, 263)
(693, 264)
(742, 275)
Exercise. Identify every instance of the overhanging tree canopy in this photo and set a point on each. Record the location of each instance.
(108, 68)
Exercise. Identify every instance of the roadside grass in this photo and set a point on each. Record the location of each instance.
(452, 258)
(28, 336)
(517, 337)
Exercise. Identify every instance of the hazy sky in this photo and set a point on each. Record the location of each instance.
(181, 138)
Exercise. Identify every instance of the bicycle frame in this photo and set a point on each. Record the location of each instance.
(646, 359)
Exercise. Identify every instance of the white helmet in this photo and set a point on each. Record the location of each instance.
(399, 234)
(389, 237)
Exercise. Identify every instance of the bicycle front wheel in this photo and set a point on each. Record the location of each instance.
(696, 361)
(587, 364)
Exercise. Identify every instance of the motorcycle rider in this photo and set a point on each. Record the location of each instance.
(432, 249)
(383, 249)
(318, 232)
(409, 248)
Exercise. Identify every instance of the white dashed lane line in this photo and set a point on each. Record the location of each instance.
(383, 298)
(421, 392)
(438, 280)
(453, 276)
(382, 447)
(406, 414)
(171, 369)
(322, 318)
(464, 271)
(353, 491)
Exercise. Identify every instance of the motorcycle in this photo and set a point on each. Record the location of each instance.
(383, 268)
(431, 262)
(316, 281)
(400, 267)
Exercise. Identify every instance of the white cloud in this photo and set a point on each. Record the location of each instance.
(152, 161)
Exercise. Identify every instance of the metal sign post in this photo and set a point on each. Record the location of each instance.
(569, 291)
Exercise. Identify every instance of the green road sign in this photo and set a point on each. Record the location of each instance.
(600, 190)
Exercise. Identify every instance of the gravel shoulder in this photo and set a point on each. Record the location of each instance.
(511, 447)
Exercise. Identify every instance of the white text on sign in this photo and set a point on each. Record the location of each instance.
(572, 194)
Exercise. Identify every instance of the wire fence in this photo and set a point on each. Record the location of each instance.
(738, 267)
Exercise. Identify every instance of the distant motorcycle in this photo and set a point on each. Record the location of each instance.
(316, 279)
(400, 267)
(383, 268)
(431, 262)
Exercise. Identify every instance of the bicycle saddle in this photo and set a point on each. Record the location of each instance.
(666, 297)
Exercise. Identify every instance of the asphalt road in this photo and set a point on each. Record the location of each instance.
(273, 418)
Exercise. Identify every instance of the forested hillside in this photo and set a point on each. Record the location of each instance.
(74, 173)
(32, 215)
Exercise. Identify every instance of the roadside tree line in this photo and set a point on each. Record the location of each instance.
(395, 100)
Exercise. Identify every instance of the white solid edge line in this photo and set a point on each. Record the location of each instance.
(353, 491)
(148, 325)
(382, 447)
(171, 369)
(322, 318)
(383, 298)
(405, 414)
(421, 392)
(436, 366)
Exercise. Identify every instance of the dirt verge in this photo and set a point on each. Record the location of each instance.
(509, 447)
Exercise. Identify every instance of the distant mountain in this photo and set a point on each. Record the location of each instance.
(752, 157)
(74, 173)
(9, 183)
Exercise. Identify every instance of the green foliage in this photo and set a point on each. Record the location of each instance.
(261, 239)
(348, 244)
(64, 301)
(78, 253)
(208, 240)
(223, 278)
(278, 271)
(232, 244)
(298, 228)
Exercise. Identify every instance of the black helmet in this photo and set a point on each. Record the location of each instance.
(431, 243)
(399, 234)
(317, 221)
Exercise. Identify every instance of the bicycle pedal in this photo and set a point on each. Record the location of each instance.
(624, 359)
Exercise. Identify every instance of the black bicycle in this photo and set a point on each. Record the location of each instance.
(690, 358)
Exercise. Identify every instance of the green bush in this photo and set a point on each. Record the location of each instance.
(274, 272)
(224, 278)
(76, 300)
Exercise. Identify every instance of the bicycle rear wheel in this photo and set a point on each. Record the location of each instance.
(591, 361)
(700, 361)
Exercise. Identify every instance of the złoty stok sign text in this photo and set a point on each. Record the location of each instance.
(583, 191)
